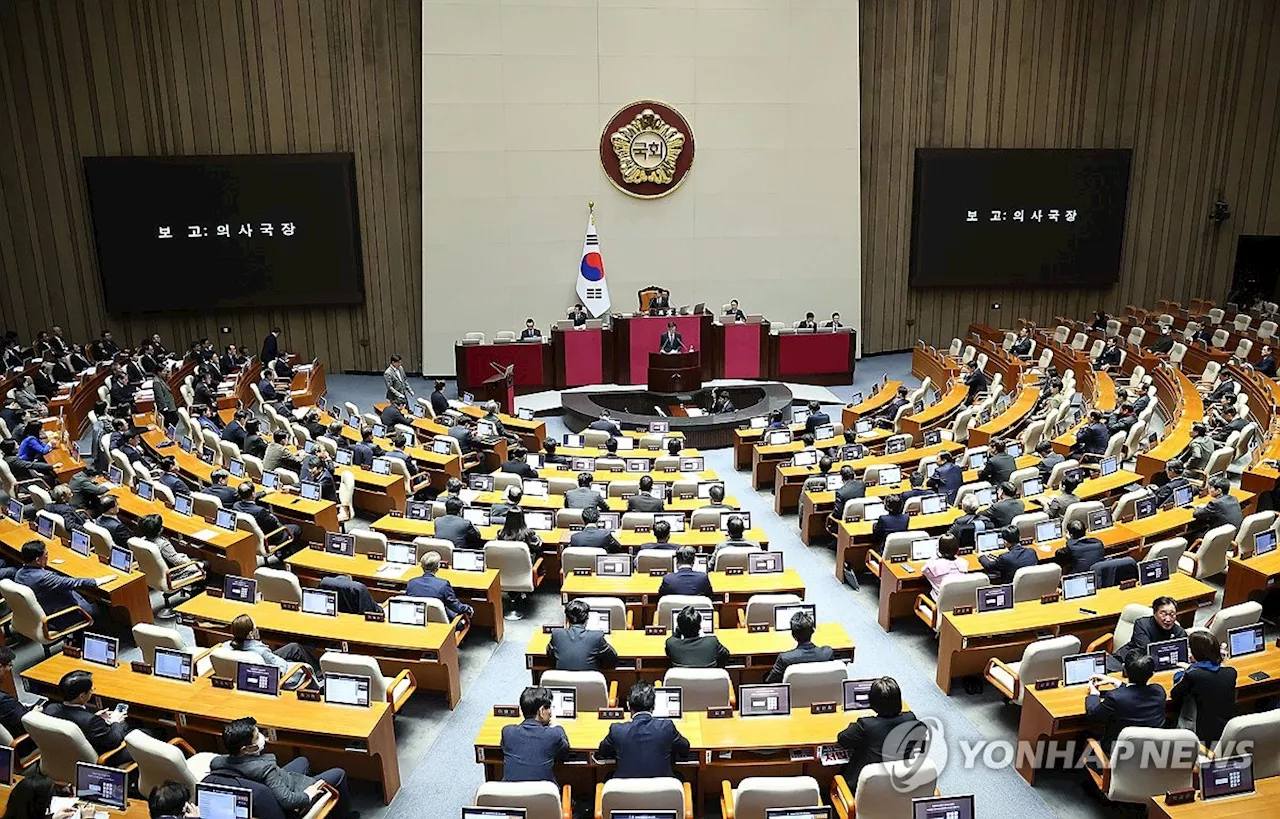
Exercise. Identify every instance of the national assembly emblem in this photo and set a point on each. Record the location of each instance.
(646, 149)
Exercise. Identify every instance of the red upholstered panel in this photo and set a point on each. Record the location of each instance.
(742, 351)
(583, 357)
(818, 353)
(646, 332)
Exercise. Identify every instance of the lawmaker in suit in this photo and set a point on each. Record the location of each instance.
(575, 648)
(109, 519)
(802, 628)
(660, 303)
(1048, 460)
(965, 528)
(1094, 437)
(104, 729)
(459, 531)
(688, 647)
(834, 323)
(234, 430)
(54, 591)
(644, 746)
(532, 749)
(1003, 567)
(733, 311)
(851, 488)
(437, 588)
(671, 341)
(1208, 686)
(975, 380)
(1022, 347)
(517, 465)
(439, 401)
(735, 528)
(808, 324)
(685, 579)
(817, 418)
(291, 784)
(11, 708)
(271, 345)
(1222, 508)
(583, 496)
(1175, 470)
(1081, 552)
(270, 525)
(1161, 625)
(999, 466)
(1001, 513)
(947, 478)
(1141, 703)
(606, 424)
(645, 500)
(893, 520)
(868, 739)
(162, 395)
(530, 331)
(578, 315)
(171, 479)
(593, 536)
(397, 382)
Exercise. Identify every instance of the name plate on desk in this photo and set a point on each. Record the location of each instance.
(959, 610)
(609, 713)
(643, 529)
(757, 628)
(308, 696)
(655, 630)
(506, 710)
(734, 570)
(396, 513)
(720, 712)
(1050, 598)
(316, 547)
(141, 667)
(1182, 796)
(899, 558)
(822, 708)
(223, 682)
(965, 550)
(378, 556)
(1128, 584)
(582, 572)
(707, 527)
(576, 527)
(72, 652)
(288, 605)
(547, 628)
(1047, 685)
(687, 496)
(657, 572)
(375, 616)
(213, 591)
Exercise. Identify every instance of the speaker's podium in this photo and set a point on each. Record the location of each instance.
(675, 372)
(499, 387)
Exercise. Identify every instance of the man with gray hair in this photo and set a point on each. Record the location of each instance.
(510, 500)
(964, 528)
(437, 588)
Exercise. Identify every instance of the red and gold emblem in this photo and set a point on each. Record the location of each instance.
(646, 149)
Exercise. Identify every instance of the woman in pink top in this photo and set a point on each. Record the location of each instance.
(946, 563)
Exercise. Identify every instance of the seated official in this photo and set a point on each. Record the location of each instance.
(1176, 473)
(645, 500)
(1163, 342)
(1122, 420)
(1109, 358)
(735, 529)
(86, 493)
(131, 446)
(671, 341)
(511, 497)
(999, 466)
(437, 588)
(517, 465)
(661, 538)
(235, 431)
(884, 737)
(247, 502)
(1048, 460)
(171, 799)
(917, 490)
(802, 628)
(1050, 400)
(976, 380)
(104, 729)
(809, 323)
(583, 496)
(33, 447)
(460, 431)
(452, 489)
(1003, 567)
(965, 528)
(885, 417)
(151, 529)
(1266, 363)
(392, 414)
(459, 531)
(947, 478)
(278, 454)
(1081, 552)
(439, 401)
(643, 746)
(893, 520)
(549, 454)
(219, 488)
(605, 423)
(721, 402)
(353, 596)
(11, 708)
(530, 331)
(818, 483)
(109, 519)
(1222, 508)
(1204, 691)
(516, 530)
(834, 322)
(775, 420)
(1065, 499)
(292, 785)
(171, 479)
(1094, 436)
(313, 424)
(62, 505)
(365, 450)
(1201, 447)
(946, 563)
(1162, 624)
(1022, 346)
(817, 418)
(1007, 507)
(1231, 422)
(733, 311)
(245, 637)
(688, 647)
(577, 648)
(685, 579)
(1140, 703)
(200, 414)
(532, 749)
(578, 315)
(593, 536)
(660, 303)
(25, 470)
(715, 499)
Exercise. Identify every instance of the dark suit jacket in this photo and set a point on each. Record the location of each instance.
(270, 347)
(685, 581)
(234, 432)
(963, 530)
(865, 741)
(266, 520)
(531, 750)
(581, 497)
(1218, 511)
(1002, 567)
(1046, 465)
(361, 455)
(704, 651)
(1124, 707)
(101, 736)
(595, 537)
(1109, 357)
(577, 649)
(850, 490)
(816, 420)
(1163, 493)
(997, 469)
(644, 746)
(603, 425)
(977, 383)
(254, 445)
(640, 502)
(1079, 555)
(70, 514)
(1001, 513)
(222, 492)
(428, 585)
(1145, 632)
(520, 468)
(459, 531)
(803, 653)
(175, 484)
(120, 533)
(1214, 693)
(11, 711)
(1094, 437)
(948, 478)
(671, 344)
(886, 525)
(391, 415)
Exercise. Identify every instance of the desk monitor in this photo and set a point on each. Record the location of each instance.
(381, 466)
(599, 620)
(815, 812)
(893, 446)
(799, 416)
(834, 482)
(824, 432)
(1078, 669)
(477, 516)
(782, 614)
(924, 548)
(417, 510)
(576, 441)
(173, 664)
(764, 700)
(564, 702)
(505, 813)
(486, 429)
(223, 801)
(857, 694)
(610, 521)
(984, 495)
(625, 444)
(403, 612)
(116, 475)
(535, 488)
(942, 807)
(354, 423)
(379, 431)
(759, 422)
(764, 563)
(779, 437)
(258, 679)
(889, 475)
(320, 601)
(102, 785)
(346, 689)
(744, 516)
(1144, 507)
(236, 467)
(468, 560)
(1264, 542)
(6, 766)
(1048, 530)
(240, 589)
(145, 491)
(1168, 653)
(308, 446)
(121, 559)
(441, 446)
(1183, 495)
(340, 544)
(184, 505)
(1109, 466)
(310, 491)
(978, 459)
(44, 525)
(580, 464)
(1075, 475)
(467, 398)
(613, 565)
(863, 426)
(535, 459)
(987, 542)
(184, 443)
(872, 509)
(225, 519)
(480, 483)
(852, 452)
(662, 427)
(101, 649)
(540, 520)
(933, 437)
(1034, 486)
(344, 457)
(706, 617)
(675, 520)
(636, 465)
(695, 463)
(704, 488)
(1228, 776)
(1245, 640)
(1100, 519)
(995, 598)
(805, 457)
(933, 504)
(1075, 586)
(601, 488)
(403, 554)
(1013, 449)
(1154, 571)
(668, 702)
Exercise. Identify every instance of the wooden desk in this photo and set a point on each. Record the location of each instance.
(480, 590)
(430, 652)
(608, 475)
(134, 808)
(790, 479)
(1183, 406)
(640, 591)
(1251, 578)
(1059, 713)
(765, 459)
(1104, 399)
(871, 405)
(360, 740)
(1258, 805)
(227, 552)
(440, 467)
(555, 502)
(1007, 421)
(937, 413)
(125, 592)
(1169, 523)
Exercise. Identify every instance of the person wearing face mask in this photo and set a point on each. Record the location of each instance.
(244, 637)
(292, 785)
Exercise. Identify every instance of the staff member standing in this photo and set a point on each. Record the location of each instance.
(398, 388)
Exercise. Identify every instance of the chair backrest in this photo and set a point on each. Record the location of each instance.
(151, 563)
(593, 690)
(1113, 328)
(436, 612)
(1172, 549)
(1130, 614)
(579, 557)
(226, 659)
(624, 487)
(368, 541)
(205, 505)
(337, 662)
(1027, 522)
(1032, 435)
(148, 636)
(756, 794)
(1134, 779)
(540, 800)
(158, 762)
(28, 616)
(595, 437)
(1211, 557)
(504, 336)
(614, 605)
(734, 557)
(1243, 320)
(1229, 617)
(958, 590)
(704, 688)
(648, 560)
(440, 546)
(970, 488)
(1136, 335)
(899, 543)
(879, 792)
(1060, 470)
(514, 565)
(62, 744)
(1177, 352)
(816, 682)
(1033, 582)
(653, 794)
(1042, 660)
(278, 585)
(1250, 526)
(1262, 733)
(760, 606)
(1219, 338)
(1266, 330)
(1081, 511)
(637, 520)
(1061, 333)
(573, 517)
(1216, 315)
(674, 602)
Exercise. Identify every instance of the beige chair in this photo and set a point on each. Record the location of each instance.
(1123, 633)
(1041, 660)
(656, 794)
(149, 637)
(436, 612)
(1229, 617)
(594, 692)
(760, 607)
(518, 573)
(956, 590)
(540, 800)
(161, 578)
(159, 762)
(572, 517)
(1059, 471)
(225, 660)
(1250, 526)
(880, 793)
(1126, 775)
(898, 543)
(702, 688)
(1026, 524)
(968, 489)
(648, 560)
(672, 603)
(205, 505)
(99, 539)
(347, 491)
(816, 682)
(624, 487)
(1034, 582)
(31, 621)
(756, 794)
(595, 437)
(573, 558)
(1080, 511)
(1209, 557)
(265, 548)
(1172, 549)
(368, 541)
(637, 520)
(440, 546)
(1126, 508)
(394, 690)
(62, 744)
(1260, 733)
(278, 585)
(619, 617)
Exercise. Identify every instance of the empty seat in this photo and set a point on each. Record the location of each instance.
(703, 688)
(160, 761)
(278, 585)
(394, 690)
(540, 800)
(1041, 660)
(755, 795)
(593, 692)
(885, 790)
(1126, 775)
(816, 682)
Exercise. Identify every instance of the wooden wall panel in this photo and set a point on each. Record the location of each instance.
(142, 77)
(1190, 85)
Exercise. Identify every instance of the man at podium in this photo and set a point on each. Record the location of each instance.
(671, 340)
